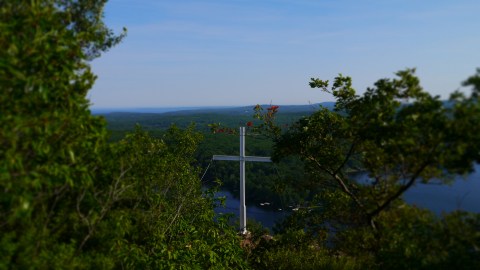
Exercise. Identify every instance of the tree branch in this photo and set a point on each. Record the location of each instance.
(340, 181)
(113, 195)
(347, 157)
(397, 194)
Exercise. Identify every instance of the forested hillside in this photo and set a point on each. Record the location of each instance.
(281, 184)
(202, 118)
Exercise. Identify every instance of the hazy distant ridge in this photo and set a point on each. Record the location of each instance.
(212, 109)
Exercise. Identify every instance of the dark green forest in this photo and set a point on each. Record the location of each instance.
(84, 191)
(283, 183)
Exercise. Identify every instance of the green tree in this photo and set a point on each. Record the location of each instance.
(163, 219)
(44, 80)
(397, 133)
(50, 146)
(69, 199)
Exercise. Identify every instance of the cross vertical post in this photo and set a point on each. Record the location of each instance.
(243, 208)
(242, 158)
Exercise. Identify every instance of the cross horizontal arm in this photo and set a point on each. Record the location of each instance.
(246, 158)
(258, 159)
(220, 157)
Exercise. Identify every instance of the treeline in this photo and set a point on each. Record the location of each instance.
(122, 121)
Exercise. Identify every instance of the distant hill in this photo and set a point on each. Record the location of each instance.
(162, 118)
(103, 111)
(210, 109)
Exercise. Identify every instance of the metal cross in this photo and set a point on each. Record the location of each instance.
(242, 158)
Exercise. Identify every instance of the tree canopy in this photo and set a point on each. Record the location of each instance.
(396, 132)
(69, 198)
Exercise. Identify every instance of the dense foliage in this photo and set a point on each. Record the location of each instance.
(395, 135)
(396, 132)
(51, 147)
(267, 182)
(69, 198)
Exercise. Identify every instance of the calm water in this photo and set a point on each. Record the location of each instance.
(462, 194)
(266, 217)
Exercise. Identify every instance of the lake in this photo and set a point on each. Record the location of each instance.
(256, 212)
(462, 194)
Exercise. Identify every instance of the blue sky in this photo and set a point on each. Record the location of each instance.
(244, 52)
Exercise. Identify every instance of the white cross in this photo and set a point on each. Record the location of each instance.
(242, 158)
